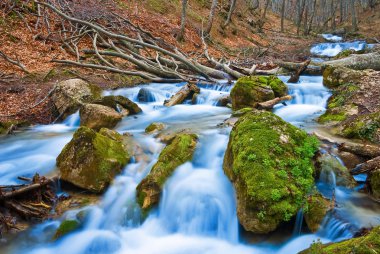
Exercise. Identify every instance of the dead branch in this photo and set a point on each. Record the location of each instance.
(187, 91)
(14, 62)
(296, 76)
(367, 166)
(270, 104)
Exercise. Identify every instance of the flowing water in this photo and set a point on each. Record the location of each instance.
(197, 212)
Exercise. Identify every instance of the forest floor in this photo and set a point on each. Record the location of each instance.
(239, 41)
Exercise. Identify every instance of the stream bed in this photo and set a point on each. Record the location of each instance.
(197, 212)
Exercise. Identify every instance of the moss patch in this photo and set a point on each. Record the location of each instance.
(250, 90)
(363, 127)
(269, 162)
(317, 208)
(66, 227)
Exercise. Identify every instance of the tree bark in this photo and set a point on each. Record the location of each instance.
(282, 15)
(230, 12)
(367, 166)
(210, 21)
(187, 91)
(357, 62)
(181, 34)
(353, 16)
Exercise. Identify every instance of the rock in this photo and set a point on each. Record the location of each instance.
(248, 91)
(318, 206)
(69, 95)
(366, 127)
(155, 127)
(269, 162)
(117, 101)
(374, 183)
(336, 76)
(66, 227)
(176, 153)
(223, 101)
(7, 127)
(97, 116)
(350, 160)
(91, 160)
(368, 243)
(145, 95)
(241, 112)
(327, 164)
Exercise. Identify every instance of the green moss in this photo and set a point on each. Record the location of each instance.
(153, 127)
(5, 126)
(367, 244)
(317, 208)
(363, 127)
(374, 183)
(250, 90)
(272, 161)
(91, 160)
(176, 153)
(345, 53)
(66, 227)
(329, 116)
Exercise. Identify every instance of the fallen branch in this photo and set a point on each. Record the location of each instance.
(366, 150)
(310, 69)
(187, 91)
(367, 166)
(294, 78)
(14, 62)
(270, 104)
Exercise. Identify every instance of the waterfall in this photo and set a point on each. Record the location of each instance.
(298, 224)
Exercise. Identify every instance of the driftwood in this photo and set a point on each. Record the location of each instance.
(367, 166)
(187, 91)
(309, 70)
(366, 150)
(296, 76)
(270, 104)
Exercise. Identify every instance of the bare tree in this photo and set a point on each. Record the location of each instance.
(181, 34)
(282, 15)
(210, 21)
(231, 10)
(353, 16)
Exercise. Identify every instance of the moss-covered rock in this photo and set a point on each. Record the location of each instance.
(327, 164)
(69, 95)
(7, 127)
(91, 160)
(374, 183)
(155, 127)
(367, 244)
(117, 101)
(336, 76)
(176, 153)
(97, 116)
(248, 91)
(365, 127)
(66, 227)
(317, 208)
(269, 162)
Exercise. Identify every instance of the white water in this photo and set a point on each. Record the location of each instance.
(197, 212)
(332, 37)
(333, 49)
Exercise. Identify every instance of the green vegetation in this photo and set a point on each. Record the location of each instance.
(269, 162)
(317, 208)
(363, 127)
(66, 227)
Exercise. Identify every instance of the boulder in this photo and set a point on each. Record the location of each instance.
(69, 95)
(336, 76)
(269, 162)
(117, 101)
(176, 153)
(66, 227)
(327, 164)
(145, 95)
(317, 208)
(223, 101)
(248, 91)
(368, 243)
(366, 127)
(155, 127)
(91, 160)
(96, 116)
(374, 183)
(7, 127)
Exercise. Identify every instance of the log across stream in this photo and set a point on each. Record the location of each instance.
(197, 213)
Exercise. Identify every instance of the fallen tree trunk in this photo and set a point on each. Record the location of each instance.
(369, 151)
(367, 166)
(296, 76)
(309, 70)
(357, 62)
(270, 104)
(187, 91)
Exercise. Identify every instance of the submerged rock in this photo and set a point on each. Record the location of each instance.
(155, 127)
(69, 95)
(248, 91)
(91, 160)
(145, 95)
(269, 162)
(318, 206)
(117, 101)
(330, 168)
(176, 153)
(223, 101)
(369, 243)
(65, 228)
(97, 116)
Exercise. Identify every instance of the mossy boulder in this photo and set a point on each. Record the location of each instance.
(69, 95)
(317, 208)
(176, 153)
(367, 244)
(66, 227)
(155, 127)
(336, 76)
(97, 116)
(374, 183)
(366, 127)
(117, 101)
(327, 164)
(91, 160)
(269, 162)
(250, 90)
(7, 127)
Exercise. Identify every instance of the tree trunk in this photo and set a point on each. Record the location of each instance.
(312, 17)
(357, 62)
(296, 76)
(211, 17)
(367, 166)
(282, 15)
(230, 12)
(353, 16)
(369, 151)
(270, 104)
(187, 91)
(181, 34)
